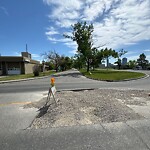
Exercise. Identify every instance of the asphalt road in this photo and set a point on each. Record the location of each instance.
(72, 80)
(14, 120)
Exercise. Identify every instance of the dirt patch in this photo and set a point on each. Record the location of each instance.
(89, 107)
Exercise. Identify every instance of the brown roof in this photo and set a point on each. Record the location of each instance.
(11, 58)
(17, 59)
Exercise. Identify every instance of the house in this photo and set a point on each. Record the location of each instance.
(23, 64)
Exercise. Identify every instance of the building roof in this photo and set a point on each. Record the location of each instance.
(17, 59)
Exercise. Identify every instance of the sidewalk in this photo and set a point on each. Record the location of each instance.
(133, 135)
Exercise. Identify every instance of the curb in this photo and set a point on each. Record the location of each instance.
(19, 80)
(144, 77)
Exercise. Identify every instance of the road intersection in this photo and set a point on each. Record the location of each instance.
(15, 120)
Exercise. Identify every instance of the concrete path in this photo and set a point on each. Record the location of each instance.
(133, 135)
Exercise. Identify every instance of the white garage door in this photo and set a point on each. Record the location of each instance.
(11, 72)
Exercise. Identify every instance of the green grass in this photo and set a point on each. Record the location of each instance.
(111, 75)
(24, 76)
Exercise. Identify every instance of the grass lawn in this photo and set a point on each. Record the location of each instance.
(24, 76)
(111, 75)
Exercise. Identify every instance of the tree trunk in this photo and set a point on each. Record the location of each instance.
(107, 62)
(88, 65)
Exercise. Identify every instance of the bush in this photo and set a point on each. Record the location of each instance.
(36, 70)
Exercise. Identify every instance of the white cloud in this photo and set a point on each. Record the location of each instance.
(63, 40)
(51, 31)
(16, 54)
(68, 15)
(4, 10)
(148, 57)
(65, 23)
(146, 50)
(35, 55)
(134, 57)
(116, 22)
(71, 4)
(71, 44)
(93, 10)
(130, 53)
(125, 25)
(64, 13)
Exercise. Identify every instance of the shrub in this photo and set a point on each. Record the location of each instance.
(36, 70)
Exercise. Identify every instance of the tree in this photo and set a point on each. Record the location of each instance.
(96, 58)
(107, 53)
(142, 61)
(132, 64)
(65, 63)
(50, 64)
(82, 34)
(119, 55)
(118, 62)
(57, 61)
(53, 57)
(69, 62)
(78, 61)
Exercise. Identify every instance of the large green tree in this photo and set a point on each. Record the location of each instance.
(82, 34)
(142, 61)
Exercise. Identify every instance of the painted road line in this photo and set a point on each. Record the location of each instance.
(15, 103)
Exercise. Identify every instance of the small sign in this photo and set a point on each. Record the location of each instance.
(53, 90)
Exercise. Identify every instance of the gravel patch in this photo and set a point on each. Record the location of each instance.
(89, 107)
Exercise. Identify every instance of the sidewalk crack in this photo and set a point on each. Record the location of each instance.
(147, 146)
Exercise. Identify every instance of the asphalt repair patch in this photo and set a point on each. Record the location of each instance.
(88, 107)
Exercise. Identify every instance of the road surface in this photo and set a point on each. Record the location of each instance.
(72, 80)
(14, 120)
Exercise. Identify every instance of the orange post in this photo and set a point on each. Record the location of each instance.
(52, 81)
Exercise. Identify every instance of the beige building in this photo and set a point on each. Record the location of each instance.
(17, 64)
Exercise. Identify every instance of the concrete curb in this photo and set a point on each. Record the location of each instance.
(144, 77)
(19, 80)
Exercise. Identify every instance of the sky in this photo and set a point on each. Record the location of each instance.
(118, 24)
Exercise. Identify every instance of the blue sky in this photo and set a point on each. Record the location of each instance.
(41, 24)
